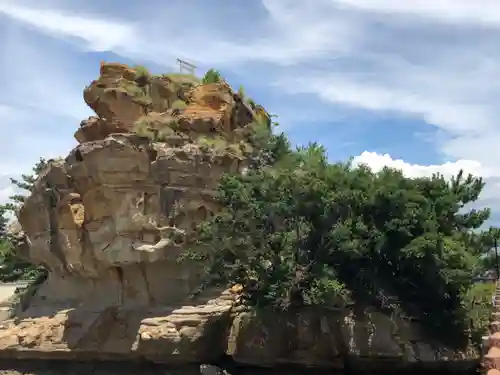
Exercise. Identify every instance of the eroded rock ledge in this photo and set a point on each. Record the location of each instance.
(110, 220)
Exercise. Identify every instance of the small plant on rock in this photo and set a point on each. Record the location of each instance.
(141, 73)
(179, 104)
(241, 92)
(174, 124)
(212, 76)
(143, 128)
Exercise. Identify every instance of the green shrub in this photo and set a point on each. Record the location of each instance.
(241, 92)
(141, 72)
(155, 130)
(212, 76)
(178, 104)
(165, 133)
(479, 307)
(143, 128)
(214, 142)
(174, 124)
(14, 269)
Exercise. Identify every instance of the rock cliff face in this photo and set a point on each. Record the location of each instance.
(110, 220)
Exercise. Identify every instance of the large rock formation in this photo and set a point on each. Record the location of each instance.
(110, 221)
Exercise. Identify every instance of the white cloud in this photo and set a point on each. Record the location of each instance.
(289, 33)
(485, 12)
(100, 35)
(378, 161)
(5, 193)
(431, 60)
(440, 72)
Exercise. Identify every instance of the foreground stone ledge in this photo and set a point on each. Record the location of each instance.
(161, 334)
(321, 339)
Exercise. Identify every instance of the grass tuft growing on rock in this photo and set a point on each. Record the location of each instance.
(156, 129)
(141, 72)
(241, 92)
(180, 77)
(179, 104)
(220, 146)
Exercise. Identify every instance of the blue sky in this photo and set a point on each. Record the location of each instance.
(410, 84)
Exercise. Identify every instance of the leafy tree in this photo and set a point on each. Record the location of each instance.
(308, 232)
(12, 267)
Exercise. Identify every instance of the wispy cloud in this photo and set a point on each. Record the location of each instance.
(436, 61)
(288, 32)
(97, 35)
(483, 12)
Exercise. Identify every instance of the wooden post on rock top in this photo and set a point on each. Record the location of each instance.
(185, 66)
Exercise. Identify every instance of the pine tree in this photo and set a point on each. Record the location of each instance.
(313, 233)
(13, 268)
(3, 223)
(26, 183)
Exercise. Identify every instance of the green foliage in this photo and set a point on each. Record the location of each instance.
(179, 104)
(477, 303)
(154, 129)
(141, 73)
(241, 92)
(220, 146)
(142, 127)
(27, 183)
(3, 222)
(182, 77)
(212, 76)
(13, 268)
(269, 148)
(308, 232)
(173, 124)
(131, 89)
(138, 92)
(260, 134)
